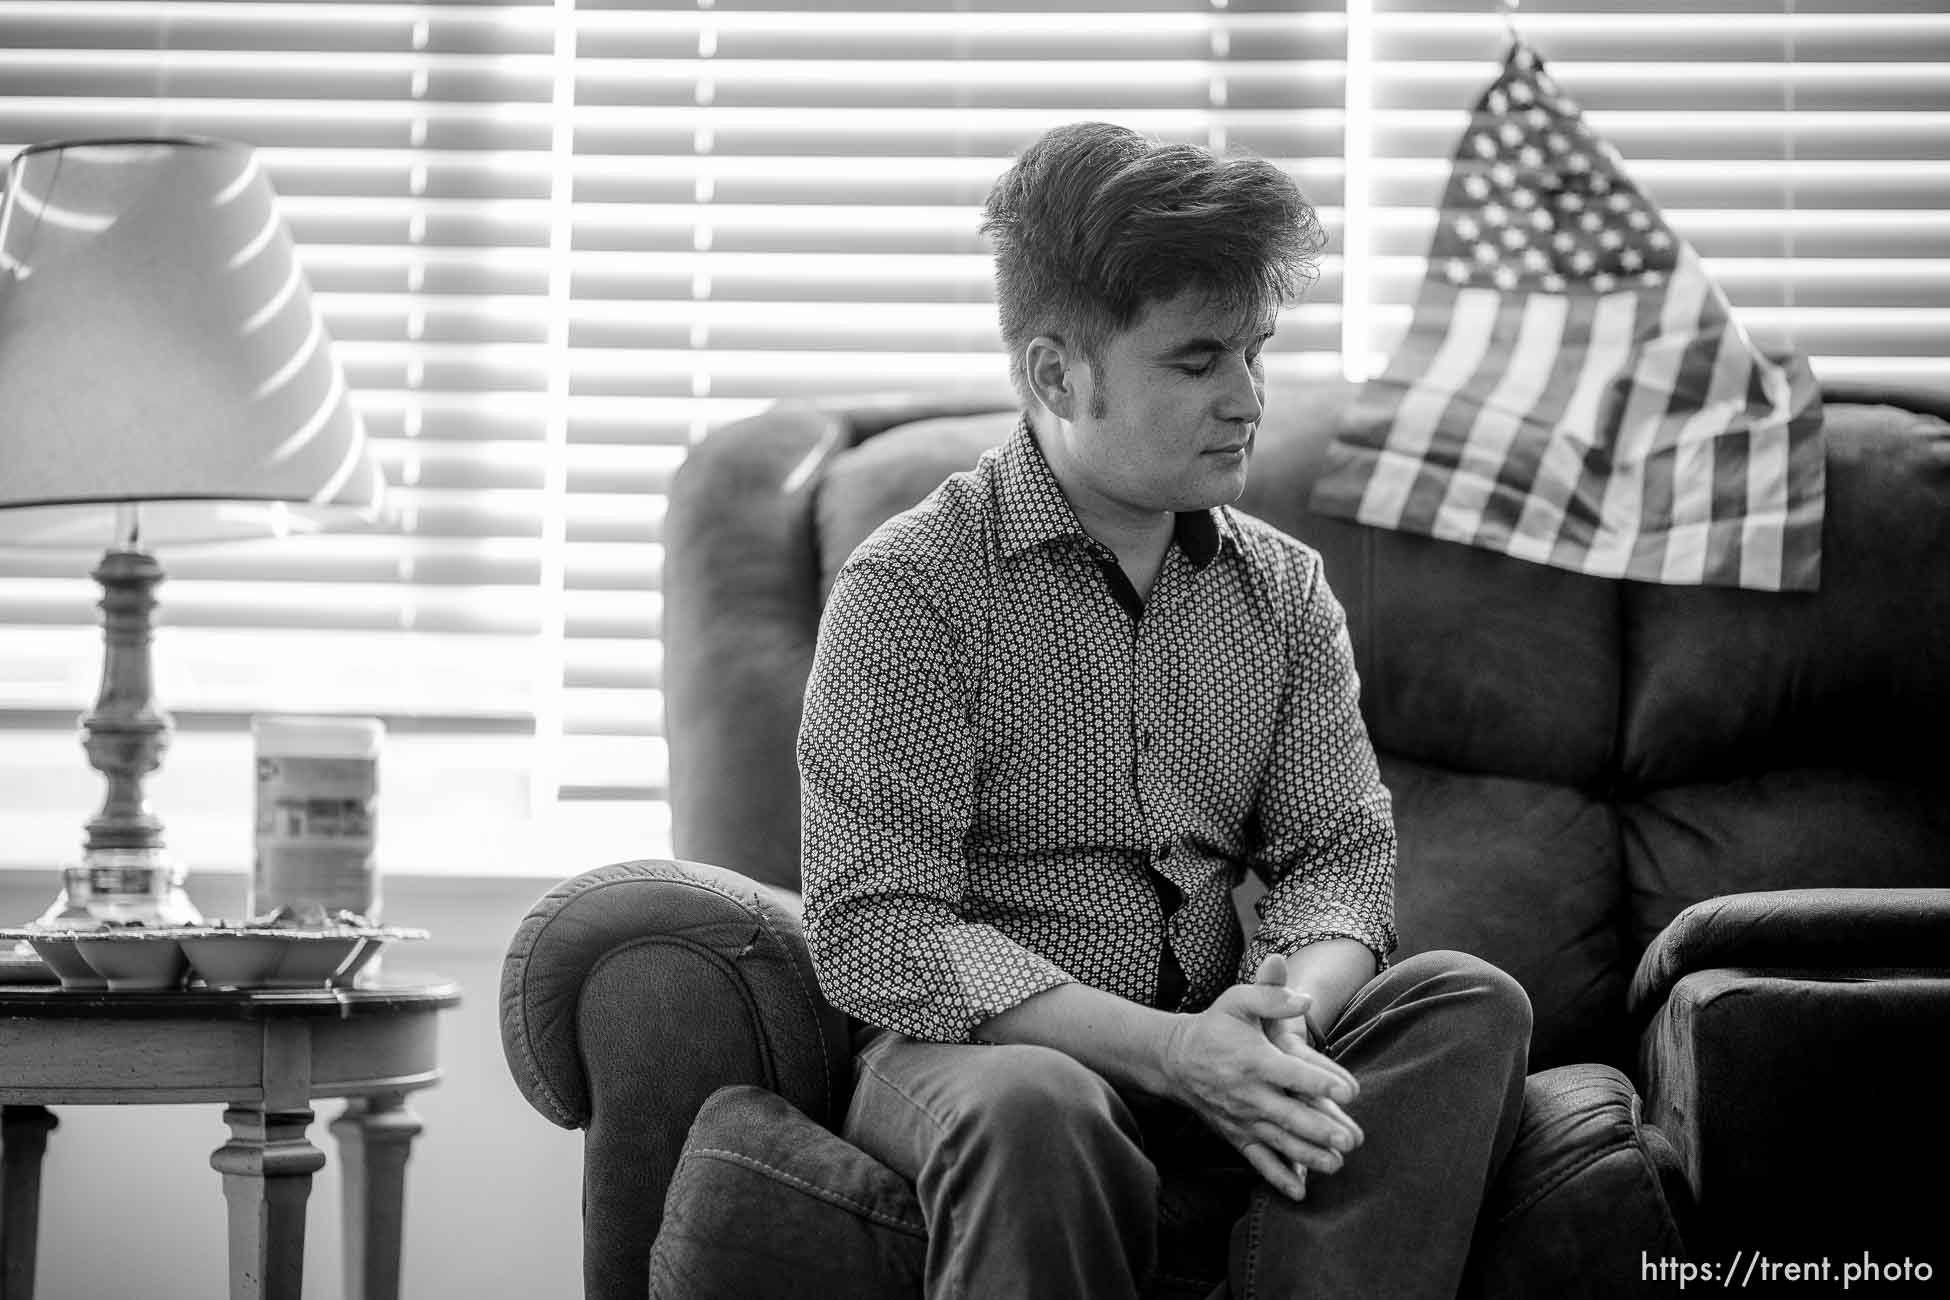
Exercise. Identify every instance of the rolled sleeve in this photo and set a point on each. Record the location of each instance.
(887, 778)
(1327, 825)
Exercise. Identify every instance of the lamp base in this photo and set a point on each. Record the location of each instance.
(123, 887)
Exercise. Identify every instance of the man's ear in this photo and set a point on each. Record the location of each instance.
(1052, 377)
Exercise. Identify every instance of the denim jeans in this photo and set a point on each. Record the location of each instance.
(1037, 1178)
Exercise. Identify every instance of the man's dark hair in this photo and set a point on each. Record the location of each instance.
(1093, 222)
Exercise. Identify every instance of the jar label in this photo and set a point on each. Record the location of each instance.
(315, 834)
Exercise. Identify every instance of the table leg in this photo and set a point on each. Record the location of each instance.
(23, 1140)
(267, 1167)
(375, 1137)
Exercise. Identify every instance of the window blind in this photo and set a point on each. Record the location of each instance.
(555, 242)
(1801, 146)
(777, 200)
(411, 147)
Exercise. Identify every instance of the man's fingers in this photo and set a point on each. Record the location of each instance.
(1332, 1109)
(1284, 1177)
(1303, 1131)
(1340, 1084)
(1300, 1070)
(1332, 1071)
(1327, 1072)
(1298, 1152)
(1272, 974)
(1258, 1002)
(1296, 1127)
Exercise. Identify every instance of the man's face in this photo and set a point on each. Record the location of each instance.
(1169, 418)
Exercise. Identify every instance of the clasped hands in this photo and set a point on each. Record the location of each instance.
(1245, 1068)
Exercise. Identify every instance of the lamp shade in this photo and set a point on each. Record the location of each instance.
(158, 344)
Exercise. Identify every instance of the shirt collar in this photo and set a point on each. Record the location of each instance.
(1031, 508)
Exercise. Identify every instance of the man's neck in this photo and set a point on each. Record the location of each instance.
(1139, 539)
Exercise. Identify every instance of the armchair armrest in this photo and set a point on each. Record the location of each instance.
(1788, 1056)
(629, 994)
(1796, 929)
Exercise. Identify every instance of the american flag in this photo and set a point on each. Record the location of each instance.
(1573, 388)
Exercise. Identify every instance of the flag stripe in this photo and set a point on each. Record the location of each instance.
(1691, 509)
(1767, 498)
(1397, 464)
(1730, 451)
(1554, 500)
(1452, 431)
(1518, 476)
(1532, 361)
(1619, 486)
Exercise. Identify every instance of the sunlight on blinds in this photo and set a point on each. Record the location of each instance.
(401, 141)
(1802, 146)
(409, 145)
(781, 201)
(555, 242)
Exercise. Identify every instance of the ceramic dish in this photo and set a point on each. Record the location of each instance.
(266, 959)
(20, 964)
(246, 958)
(129, 960)
(219, 955)
(361, 958)
(58, 951)
(376, 937)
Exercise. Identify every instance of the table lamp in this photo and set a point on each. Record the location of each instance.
(164, 378)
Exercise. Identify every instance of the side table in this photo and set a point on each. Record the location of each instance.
(264, 1054)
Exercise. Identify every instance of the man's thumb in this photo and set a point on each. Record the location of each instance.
(1270, 1001)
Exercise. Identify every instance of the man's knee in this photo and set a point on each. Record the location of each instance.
(1030, 1096)
(1469, 987)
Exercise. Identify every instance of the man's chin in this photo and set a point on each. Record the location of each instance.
(1220, 480)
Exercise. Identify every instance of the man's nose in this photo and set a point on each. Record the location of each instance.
(1241, 398)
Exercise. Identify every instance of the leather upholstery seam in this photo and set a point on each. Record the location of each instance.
(1529, 1202)
(530, 1058)
(807, 1000)
(814, 1189)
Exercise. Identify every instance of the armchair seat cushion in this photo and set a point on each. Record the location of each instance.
(767, 1203)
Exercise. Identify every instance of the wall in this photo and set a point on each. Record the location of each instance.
(131, 1207)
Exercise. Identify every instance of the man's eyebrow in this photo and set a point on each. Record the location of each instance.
(1191, 347)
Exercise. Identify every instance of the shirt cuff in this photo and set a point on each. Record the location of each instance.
(994, 973)
(1379, 943)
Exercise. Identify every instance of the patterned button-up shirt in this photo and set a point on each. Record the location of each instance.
(1011, 770)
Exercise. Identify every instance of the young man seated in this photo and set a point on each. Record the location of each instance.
(1057, 711)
